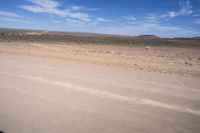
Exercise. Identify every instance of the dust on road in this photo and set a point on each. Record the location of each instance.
(51, 95)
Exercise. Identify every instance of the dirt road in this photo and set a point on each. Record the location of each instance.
(171, 60)
(40, 95)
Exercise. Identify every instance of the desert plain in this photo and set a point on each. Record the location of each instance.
(92, 83)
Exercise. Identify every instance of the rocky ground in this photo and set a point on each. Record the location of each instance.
(164, 59)
(61, 82)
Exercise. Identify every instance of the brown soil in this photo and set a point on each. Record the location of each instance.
(164, 59)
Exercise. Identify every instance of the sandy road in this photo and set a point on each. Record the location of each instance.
(39, 95)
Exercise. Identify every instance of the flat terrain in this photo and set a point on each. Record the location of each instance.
(89, 88)
(163, 59)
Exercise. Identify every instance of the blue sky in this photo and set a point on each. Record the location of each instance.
(170, 18)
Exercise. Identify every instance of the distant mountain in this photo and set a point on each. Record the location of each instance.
(147, 36)
(197, 38)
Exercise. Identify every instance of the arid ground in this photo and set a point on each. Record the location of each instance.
(163, 59)
(92, 87)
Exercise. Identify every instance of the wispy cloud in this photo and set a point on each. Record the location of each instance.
(100, 19)
(130, 18)
(197, 21)
(52, 7)
(170, 14)
(82, 8)
(45, 3)
(86, 25)
(152, 17)
(75, 22)
(14, 20)
(196, 15)
(76, 8)
(35, 9)
(9, 14)
(186, 9)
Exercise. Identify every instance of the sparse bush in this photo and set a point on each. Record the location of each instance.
(147, 48)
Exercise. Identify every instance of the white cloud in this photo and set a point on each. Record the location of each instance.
(197, 21)
(186, 9)
(14, 20)
(172, 14)
(100, 19)
(75, 22)
(76, 8)
(35, 9)
(130, 18)
(52, 7)
(45, 3)
(85, 25)
(9, 14)
(152, 17)
(78, 15)
(82, 8)
(196, 15)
